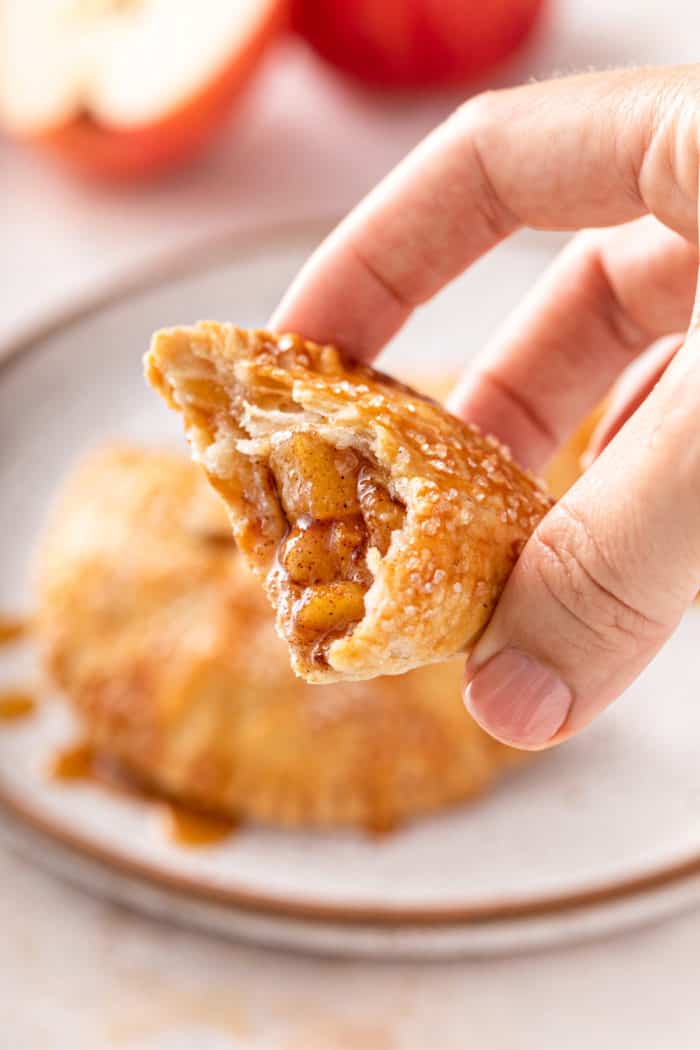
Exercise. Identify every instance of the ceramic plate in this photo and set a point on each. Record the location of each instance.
(603, 832)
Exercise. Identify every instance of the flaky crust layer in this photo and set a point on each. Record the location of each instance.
(469, 508)
(153, 627)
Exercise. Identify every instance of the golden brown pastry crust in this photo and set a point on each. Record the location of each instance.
(468, 508)
(164, 643)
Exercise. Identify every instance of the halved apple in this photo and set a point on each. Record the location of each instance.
(125, 88)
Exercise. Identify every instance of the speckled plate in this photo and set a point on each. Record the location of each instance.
(600, 834)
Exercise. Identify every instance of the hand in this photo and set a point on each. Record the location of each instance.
(607, 575)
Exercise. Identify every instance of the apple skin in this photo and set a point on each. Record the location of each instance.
(415, 43)
(131, 154)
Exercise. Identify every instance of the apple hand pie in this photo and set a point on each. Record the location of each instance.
(163, 641)
(384, 528)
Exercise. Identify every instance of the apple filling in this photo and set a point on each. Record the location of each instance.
(338, 506)
(321, 507)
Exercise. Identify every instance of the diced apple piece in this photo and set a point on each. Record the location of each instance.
(315, 478)
(308, 557)
(331, 606)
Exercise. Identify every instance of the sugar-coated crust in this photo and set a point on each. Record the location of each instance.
(469, 507)
(164, 643)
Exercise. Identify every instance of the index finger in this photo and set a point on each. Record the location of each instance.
(591, 150)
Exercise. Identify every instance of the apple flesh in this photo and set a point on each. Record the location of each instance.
(415, 43)
(127, 88)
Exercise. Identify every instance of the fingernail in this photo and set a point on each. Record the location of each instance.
(517, 699)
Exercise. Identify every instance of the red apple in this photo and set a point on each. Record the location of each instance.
(415, 43)
(127, 88)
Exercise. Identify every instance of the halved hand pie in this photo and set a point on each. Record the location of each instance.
(384, 528)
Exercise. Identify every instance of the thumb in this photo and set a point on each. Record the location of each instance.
(603, 581)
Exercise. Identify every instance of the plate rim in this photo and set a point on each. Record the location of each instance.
(196, 256)
(351, 914)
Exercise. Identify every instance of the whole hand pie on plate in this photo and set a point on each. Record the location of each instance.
(383, 527)
(154, 628)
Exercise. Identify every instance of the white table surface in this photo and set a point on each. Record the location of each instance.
(82, 975)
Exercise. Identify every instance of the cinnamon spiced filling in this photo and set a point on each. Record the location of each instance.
(321, 508)
(338, 506)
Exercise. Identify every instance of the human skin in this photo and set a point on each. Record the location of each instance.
(606, 577)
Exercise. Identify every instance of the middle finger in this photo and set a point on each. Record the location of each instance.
(603, 301)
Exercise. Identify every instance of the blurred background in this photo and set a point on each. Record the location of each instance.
(129, 131)
(288, 135)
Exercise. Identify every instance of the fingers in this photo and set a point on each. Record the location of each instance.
(629, 393)
(604, 579)
(606, 298)
(591, 150)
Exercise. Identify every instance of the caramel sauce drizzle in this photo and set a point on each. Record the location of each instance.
(75, 762)
(189, 828)
(16, 704)
(12, 629)
(181, 824)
